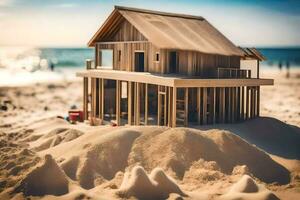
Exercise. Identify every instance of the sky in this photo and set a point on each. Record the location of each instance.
(71, 23)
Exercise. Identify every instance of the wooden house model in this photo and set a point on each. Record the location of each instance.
(168, 69)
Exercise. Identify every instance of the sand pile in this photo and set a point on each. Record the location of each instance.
(55, 137)
(176, 150)
(15, 161)
(247, 189)
(45, 179)
(155, 186)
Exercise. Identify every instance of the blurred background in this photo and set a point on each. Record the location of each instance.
(46, 40)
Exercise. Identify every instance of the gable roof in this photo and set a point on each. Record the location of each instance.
(173, 31)
(252, 53)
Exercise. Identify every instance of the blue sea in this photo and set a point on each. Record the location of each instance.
(24, 64)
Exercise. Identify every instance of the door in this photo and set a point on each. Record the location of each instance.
(139, 61)
(173, 61)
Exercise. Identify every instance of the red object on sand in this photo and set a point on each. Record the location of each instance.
(76, 115)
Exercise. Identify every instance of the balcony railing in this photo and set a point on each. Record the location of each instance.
(233, 73)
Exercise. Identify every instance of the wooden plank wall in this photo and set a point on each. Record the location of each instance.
(127, 39)
(189, 63)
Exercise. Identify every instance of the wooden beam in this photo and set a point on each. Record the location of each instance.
(146, 104)
(172, 81)
(199, 105)
(186, 106)
(243, 103)
(204, 106)
(93, 97)
(158, 105)
(222, 105)
(138, 104)
(85, 98)
(169, 102)
(129, 99)
(118, 102)
(214, 105)
(102, 99)
(258, 101)
(174, 107)
(165, 106)
(247, 102)
(134, 103)
(229, 113)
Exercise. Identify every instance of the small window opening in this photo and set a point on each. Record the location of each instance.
(119, 55)
(157, 57)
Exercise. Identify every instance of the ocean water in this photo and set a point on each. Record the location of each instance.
(281, 55)
(25, 65)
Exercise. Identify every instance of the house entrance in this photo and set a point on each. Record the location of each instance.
(139, 61)
(173, 62)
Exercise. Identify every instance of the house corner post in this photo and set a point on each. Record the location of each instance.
(85, 98)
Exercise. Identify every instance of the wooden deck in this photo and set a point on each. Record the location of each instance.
(171, 80)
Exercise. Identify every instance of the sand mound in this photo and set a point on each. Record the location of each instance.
(45, 179)
(175, 150)
(55, 137)
(245, 185)
(247, 189)
(106, 158)
(156, 186)
(14, 162)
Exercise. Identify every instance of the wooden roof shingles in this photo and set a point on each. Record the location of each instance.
(175, 31)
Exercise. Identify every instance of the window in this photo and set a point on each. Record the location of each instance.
(119, 55)
(157, 57)
(107, 58)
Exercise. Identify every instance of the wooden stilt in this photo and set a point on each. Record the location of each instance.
(247, 102)
(93, 97)
(85, 98)
(174, 107)
(233, 111)
(118, 87)
(134, 103)
(258, 101)
(129, 98)
(186, 106)
(199, 104)
(251, 102)
(169, 106)
(229, 105)
(214, 105)
(165, 106)
(243, 103)
(146, 104)
(138, 105)
(204, 105)
(222, 106)
(158, 106)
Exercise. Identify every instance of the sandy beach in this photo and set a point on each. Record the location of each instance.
(45, 157)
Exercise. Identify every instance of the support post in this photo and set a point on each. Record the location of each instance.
(146, 104)
(138, 105)
(199, 104)
(186, 106)
(214, 105)
(258, 101)
(102, 99)
(85, 98)
(247, 102)
(93, 97)
(158, 105)
(222, 105)
(169, 107)
(204, 105)
(174, 107)
(165, 106)
(129, 99)
(118, 102)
